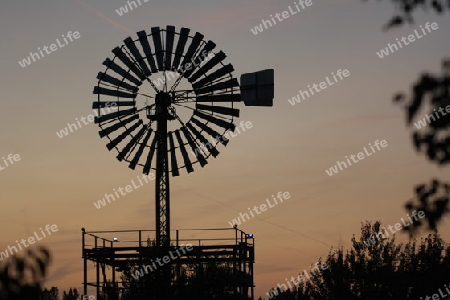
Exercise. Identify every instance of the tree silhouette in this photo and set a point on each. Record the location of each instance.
(110, 291)
(199, 281)
(51, 294)
(206, 281)
(141, 288)
(433, 138)
(189, 281)
(405, 9)
(72, 295)
(382, 270)
(433, 200)
(21, 276)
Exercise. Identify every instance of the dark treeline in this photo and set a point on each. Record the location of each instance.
(381, 270)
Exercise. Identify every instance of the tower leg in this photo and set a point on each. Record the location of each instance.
(162, 195)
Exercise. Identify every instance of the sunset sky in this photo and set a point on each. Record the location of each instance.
(288, 148)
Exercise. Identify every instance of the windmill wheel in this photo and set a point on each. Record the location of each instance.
(174, 70)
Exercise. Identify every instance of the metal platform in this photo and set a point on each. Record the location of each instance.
(114, 252)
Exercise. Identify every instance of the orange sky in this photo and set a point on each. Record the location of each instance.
(287, 149)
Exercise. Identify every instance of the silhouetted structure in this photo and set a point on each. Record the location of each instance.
(137, 133)
(117, 251)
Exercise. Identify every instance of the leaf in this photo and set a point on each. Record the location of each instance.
(437, 6)
(399, 97)
(446, 63)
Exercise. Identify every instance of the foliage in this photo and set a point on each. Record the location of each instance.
(71, 295)
(191, 281)
(21, 277)
(433, 200)
(384, 270)
(432, 92)
(404, 10)
(50, 294)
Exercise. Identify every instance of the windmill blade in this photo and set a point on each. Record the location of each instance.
(148, 163)
(159, 52)
(116, 82)
(124, 58)
(117, 125)
(210, 131)
(184, 34)
(116, 114)
(119, 70)
(225, 70)
(138, 153)
(137, 55)
(173, 157)
(196, 40)
(200, 58)
(132, 142)
(147, 50)
(214, 120)
(208, 66)
(219, 109)
(123, 135)
(200, 157)
(229, 84)
(115, 93)
(184, 153)
(170, 36)
(103, 104)
(219, 98)
(203, 140)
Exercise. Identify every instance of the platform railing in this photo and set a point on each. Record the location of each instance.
(146, 238)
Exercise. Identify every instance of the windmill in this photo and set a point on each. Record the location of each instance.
(155, 127)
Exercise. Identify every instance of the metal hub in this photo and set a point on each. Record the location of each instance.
(163, 99)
